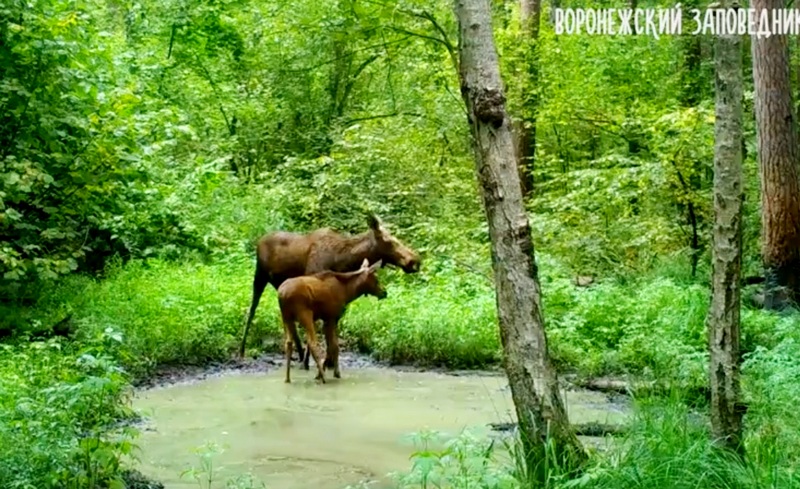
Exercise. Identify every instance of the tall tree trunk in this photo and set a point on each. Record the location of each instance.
(530, 17)
(797, 71)
(554, 4)
(692, 56)
(778, 165)
(723, 315)
(691, 94)
(534, 387)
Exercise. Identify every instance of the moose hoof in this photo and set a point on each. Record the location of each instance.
(337, 375)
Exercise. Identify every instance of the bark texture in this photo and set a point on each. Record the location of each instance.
(532, 379)
(723, 315)
(778, 165)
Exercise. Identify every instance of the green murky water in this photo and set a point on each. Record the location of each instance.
(302, 435)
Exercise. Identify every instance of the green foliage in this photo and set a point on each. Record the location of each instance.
(83, 158)
(191, 313)
(60, 413)
(464, 461)
(623, 163)
(770, 375)
(166, 315)
(668, 446)
(171, 134)
(665, 445)
(444, 320)
(206, 473)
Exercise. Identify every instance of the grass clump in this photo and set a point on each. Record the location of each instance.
(447, 320)
(168, 313)
(669, 446)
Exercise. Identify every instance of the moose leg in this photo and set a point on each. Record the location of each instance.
(289, 331)
(307, 320)
(306, 355)
(332, 345)
(300, 350)
(259, 283)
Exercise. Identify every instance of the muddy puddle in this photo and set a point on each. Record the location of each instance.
(302, 435)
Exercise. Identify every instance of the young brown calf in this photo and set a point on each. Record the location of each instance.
(324, 295)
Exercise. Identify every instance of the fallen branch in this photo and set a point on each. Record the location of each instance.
(581, 429)
(599, 429)
(617, 386)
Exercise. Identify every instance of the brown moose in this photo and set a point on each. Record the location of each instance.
(323, 296)
(283, 255)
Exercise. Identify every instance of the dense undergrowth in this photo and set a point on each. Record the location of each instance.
(146, 314)
(142, 314)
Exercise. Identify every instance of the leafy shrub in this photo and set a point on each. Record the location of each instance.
(60, 409)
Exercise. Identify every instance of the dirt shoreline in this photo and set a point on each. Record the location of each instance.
(168, 375)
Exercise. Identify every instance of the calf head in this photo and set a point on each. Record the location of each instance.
(390, 250)
(368, 280)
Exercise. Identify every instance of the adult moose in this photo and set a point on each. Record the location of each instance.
(324, 295)
(283, 255)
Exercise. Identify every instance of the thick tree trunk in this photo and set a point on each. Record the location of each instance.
(778, 165)
(532, 379)
(797, 70)
(530, 12)
(723, 315)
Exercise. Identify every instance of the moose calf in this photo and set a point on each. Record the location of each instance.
(323, 296)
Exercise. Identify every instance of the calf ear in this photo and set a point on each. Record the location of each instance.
(375, 266)
(365, 264)
(373, 221)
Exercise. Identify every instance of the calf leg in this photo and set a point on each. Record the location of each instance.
(332, 345)
(307, 320)
(306, 356)
(289, 331)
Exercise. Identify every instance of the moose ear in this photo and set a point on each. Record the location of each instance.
(375, 266)
(373, 221)
(365, 264)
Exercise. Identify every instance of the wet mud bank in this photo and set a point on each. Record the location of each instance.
(304, 434)
(179, 374)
